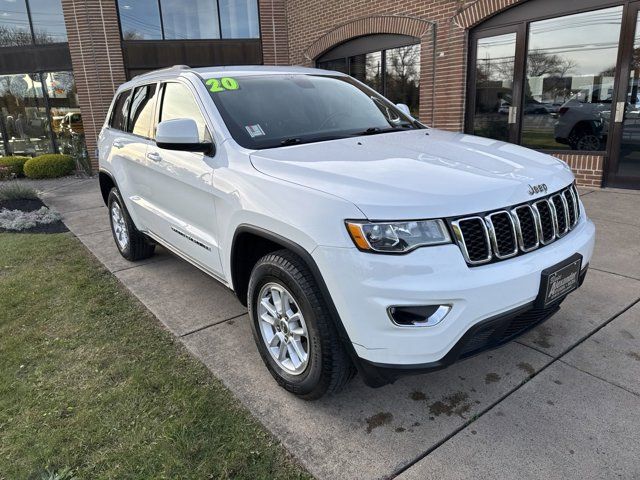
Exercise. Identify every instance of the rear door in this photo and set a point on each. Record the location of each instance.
(180, 193)
(139, 131)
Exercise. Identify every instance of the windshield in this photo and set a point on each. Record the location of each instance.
(267, 111)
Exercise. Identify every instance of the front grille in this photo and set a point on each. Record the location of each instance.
(474, 231)
(504, 234)
(499, 332)
(562, 213)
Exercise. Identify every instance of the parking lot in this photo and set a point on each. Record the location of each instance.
(562, 401)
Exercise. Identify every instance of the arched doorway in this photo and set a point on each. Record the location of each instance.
(388, 63)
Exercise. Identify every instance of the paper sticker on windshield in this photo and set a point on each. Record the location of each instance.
(254, 130)
(221, 84)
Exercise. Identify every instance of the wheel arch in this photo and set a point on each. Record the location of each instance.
(107, 182)
(244, 233)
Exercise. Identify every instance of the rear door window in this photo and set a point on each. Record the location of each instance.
(120, 111)
(142, 109)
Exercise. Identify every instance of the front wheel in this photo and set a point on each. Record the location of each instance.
(292, 328)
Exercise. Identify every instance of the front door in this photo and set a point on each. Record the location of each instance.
(624, 163)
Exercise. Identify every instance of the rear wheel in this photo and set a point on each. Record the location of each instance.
(293, 329)
(132, 244)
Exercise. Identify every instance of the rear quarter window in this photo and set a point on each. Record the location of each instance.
(120, 111)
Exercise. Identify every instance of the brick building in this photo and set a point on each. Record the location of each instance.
(560, 77)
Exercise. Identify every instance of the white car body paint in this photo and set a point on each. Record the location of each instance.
(304, 193)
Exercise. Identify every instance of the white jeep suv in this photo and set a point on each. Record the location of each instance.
(359, 239)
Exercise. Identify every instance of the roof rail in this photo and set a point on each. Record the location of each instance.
(166, 69)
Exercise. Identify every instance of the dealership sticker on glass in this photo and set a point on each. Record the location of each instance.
(222, 84)
(254, 130)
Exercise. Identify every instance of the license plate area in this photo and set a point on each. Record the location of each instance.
(559, 280)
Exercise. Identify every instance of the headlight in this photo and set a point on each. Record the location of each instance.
(397, 237)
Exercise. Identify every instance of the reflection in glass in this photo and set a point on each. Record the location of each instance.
(141, 112)
(339, 65)
(14, 24)
(197, 20)
(629, 161)
(570, 78)
(178, 102)
(66, 120)
(495, 60)
(23, 113)
(48, 21)
(140, 19)
(368, 69)
(402, 76)
(239, 18)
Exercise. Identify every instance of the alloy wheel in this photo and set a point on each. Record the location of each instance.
(283, 328)
(119, 226)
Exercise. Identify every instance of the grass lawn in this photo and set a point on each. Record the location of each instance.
(89, 381)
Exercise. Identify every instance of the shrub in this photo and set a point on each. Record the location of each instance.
(18, 220)
(15, 165)
(16, 191)
(50, 165)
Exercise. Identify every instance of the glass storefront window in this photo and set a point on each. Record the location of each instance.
(24, 115)
(402, 79)
(495, 66)
(14, 24)
(48, 21)
(66, 120)
(368, 69)
(195, 19)
(27, 127)
(140, 19)
(239, 18)
(394, 73)
(569, 84)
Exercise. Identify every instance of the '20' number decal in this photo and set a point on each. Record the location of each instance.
(222, 84)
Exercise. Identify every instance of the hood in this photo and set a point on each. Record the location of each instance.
(417, 174)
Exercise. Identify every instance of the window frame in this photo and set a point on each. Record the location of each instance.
(515, 22)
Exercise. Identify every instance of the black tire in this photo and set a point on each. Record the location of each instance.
(139, 246)
(328, 368)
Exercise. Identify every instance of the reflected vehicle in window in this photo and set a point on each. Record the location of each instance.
(359, 239)
(583, 121)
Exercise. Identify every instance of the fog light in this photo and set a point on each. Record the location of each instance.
(418, 316)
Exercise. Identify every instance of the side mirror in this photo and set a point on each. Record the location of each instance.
(181, 134)
(404, 109)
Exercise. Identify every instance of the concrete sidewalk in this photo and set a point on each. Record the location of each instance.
(563, 401)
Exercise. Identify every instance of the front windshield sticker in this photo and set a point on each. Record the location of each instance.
(221, 84)
(255, 130)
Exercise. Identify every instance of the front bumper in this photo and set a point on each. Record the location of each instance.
(362, 287)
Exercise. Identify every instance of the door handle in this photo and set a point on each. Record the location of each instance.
(118, 144)
(154, 156)
(513, 115)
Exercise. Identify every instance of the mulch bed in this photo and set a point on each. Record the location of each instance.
(29, 206)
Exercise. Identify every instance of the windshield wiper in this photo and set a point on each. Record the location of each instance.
(376, 130)
(290, 141)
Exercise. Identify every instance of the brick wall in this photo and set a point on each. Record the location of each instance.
(98, 68)
(273, 31)
(315, 27)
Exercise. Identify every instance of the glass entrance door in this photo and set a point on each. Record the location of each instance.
(624, 163)
(494, 111)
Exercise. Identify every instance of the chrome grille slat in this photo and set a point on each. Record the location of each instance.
(503, 234)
